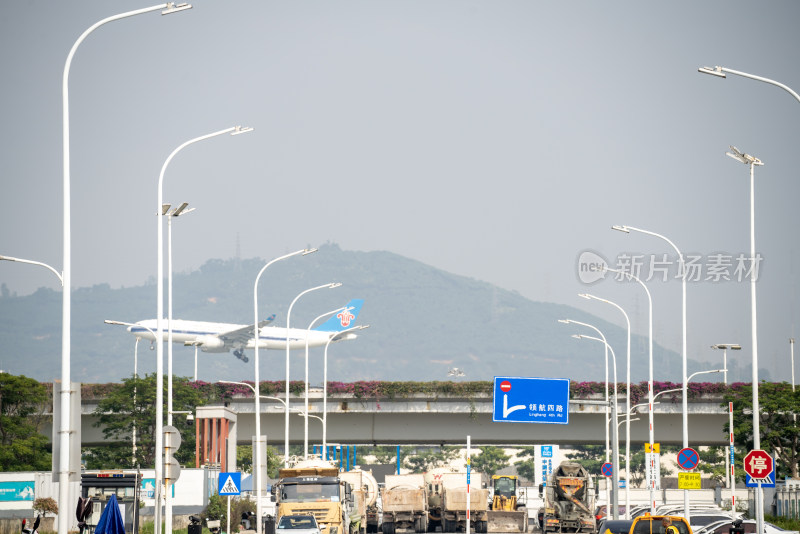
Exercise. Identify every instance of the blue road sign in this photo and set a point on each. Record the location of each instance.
(230, 483)
(688, 458)
(607, 469)
(531, 400)
(766, 482)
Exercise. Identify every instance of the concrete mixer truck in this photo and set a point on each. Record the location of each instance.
(569, 500)
(364, 515)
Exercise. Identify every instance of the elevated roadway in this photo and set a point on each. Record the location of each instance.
(442, 419)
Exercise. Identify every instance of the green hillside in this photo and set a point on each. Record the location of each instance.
(423, 321)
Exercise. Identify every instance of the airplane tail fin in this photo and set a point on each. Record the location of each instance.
(344, 318)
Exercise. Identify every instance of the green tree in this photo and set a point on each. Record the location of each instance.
(592, 457)
(526, 466)
(490, 460)
(244, 460)
(428, 459)
(23, 402)
(778, 427)
(133, 403)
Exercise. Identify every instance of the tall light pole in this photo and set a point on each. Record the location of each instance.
(135, 374)
(170, 214)
(615, 430)
(305, 411)
(725, 347)
(752, 162)
(288, 317)
(615, 470)
(64, 452)
(258, 379)
(627, 230)
(338, 336)
(649, 382)
(234, 130)
(627, 401)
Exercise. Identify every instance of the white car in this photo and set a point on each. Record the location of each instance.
(298, 524)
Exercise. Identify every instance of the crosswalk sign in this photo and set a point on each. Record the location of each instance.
(230, 483)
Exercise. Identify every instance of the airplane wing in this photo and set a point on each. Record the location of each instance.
(239, 337)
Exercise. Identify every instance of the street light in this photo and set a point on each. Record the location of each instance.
(615, 470)
(721, 73)
(725, 347)
(135, 374)
(66, 282)
(306, 415)
(627, 400)
(344, 334)
(308, 330)
(627, 230)
(234, 130)
(649, 380)
(288, 317)
(257, 378)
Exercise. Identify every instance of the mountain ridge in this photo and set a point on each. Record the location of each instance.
(423, 321)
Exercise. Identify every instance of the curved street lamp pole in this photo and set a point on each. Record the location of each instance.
(685, 416)
(66, 278)
(288, 317)
(627, 402)
(160, 329)
(614, 456)
(305, 411)
(258, 480)
(649, 381)
(335, 337)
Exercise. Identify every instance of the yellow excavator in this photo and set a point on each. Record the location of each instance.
(506, 514)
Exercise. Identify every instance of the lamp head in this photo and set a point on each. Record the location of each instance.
(586, 296)
(334, 284)
(564, 321)
(621, 228)
(241, 129)
(165, 208)
(577, 336)
(175, 8)
(309, 251)
(740, 156)
(715, 71)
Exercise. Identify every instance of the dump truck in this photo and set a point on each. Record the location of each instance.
(405, 504)
(506, 513)
(569, 500)
(364, 514)
(447, 501)
(315, 487)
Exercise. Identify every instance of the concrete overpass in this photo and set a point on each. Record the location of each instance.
(442, 419)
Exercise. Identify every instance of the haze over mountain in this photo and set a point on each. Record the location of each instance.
(423, 322)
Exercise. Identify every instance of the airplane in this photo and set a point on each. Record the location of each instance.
(222, 337)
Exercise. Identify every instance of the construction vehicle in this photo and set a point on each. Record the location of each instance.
(447, 501)
(506, 513)
(569, 500)
(364, 487)
(405, 504)
(315, 487)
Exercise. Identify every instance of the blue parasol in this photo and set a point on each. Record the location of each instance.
(110, 521)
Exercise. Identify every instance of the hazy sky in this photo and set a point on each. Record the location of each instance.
(496, 140)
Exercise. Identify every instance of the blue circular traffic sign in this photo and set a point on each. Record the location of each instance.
(607, 469)
(688, 458)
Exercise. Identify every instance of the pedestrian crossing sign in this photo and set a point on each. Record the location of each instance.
(230, 483)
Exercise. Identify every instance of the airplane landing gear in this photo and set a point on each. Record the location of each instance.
(239, 353)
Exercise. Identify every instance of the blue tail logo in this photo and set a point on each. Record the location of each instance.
(344, 318)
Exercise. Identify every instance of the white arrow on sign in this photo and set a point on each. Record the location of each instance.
(507, 411)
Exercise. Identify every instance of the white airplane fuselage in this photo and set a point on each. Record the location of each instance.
(210, 336)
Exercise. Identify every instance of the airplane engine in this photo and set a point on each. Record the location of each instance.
(211, 344)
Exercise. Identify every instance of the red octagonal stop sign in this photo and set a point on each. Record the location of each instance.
(758, 463)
